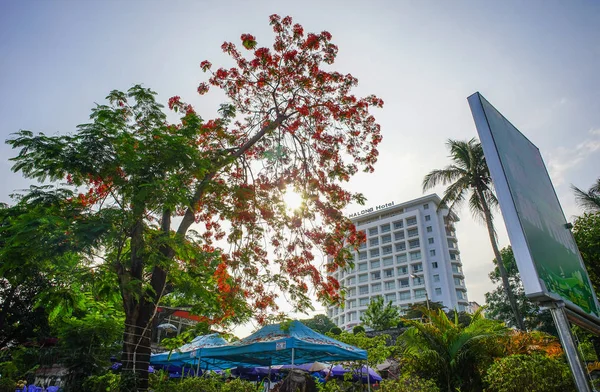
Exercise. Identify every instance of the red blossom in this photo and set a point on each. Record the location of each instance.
(205, 65)
(174, 101)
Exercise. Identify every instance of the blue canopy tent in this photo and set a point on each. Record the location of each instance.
(281, 344)
(191, 355)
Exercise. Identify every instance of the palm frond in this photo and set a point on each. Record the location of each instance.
(442, 177)
(590, 200)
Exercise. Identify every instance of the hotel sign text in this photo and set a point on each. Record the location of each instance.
(369, 210)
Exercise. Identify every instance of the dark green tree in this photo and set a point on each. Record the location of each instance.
(498, 307)
(586, 231)
(379, 315)
(320, 323)
(419, 310)
(469, 174)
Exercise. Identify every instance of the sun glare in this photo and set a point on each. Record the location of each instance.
(292, 200)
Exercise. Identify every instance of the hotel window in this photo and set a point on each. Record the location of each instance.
(420, 293)
(388, 273)
(390, 285)
(363, 245)
(400, 246)
(352, 316)
(363, 290)
(434, 265)
(376, 287)
(429, 229)
(376, 275)
(438, 291)
(430, 240)
(436, 278)
(374, 252)
(342, 319)
(460, 294)
(363, 301)
(390, 297)
(458, 282)
(417, 267)
(401, 258)
(413, 232)
(411, 221)
(452, 256)
(352, 292)
(432, 252)
(352, 304)
(456, 269)
(403, 283)
(399, 235)
(375, 264)
(374, 241)
(427, 218)
(405, 295)
(372, 231)
(398, 225)
(402, 270)
(363, 267)
(385, 228)
(418, 281)
(412, 244)
(363, 278)
(387, 249)
(386, 238)
(415, 255)
(425, 206)
(387, 261)
(351, 281)
(362, 255)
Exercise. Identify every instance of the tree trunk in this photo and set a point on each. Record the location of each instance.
(503, 274)
(136, 346)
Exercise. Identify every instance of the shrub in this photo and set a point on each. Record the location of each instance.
(532, 373)
(335, 330)
(200, 384)
(409, 383)
(7, 385)
(108, 382)
(358, 329)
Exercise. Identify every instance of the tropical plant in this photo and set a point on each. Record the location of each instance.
(358, 329)
(498, 307)
(469, 174)
(531, 373)
(377, 347)
(408, 383)
(379, 315)
(590, 200)
(292, 125)
(450, 353)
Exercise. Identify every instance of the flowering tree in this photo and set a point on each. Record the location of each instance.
(291, 126)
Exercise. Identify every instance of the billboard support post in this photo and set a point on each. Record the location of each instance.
(566, 338)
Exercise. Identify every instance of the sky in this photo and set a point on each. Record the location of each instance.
(537, 62)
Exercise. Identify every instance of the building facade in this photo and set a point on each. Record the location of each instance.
(411, 254)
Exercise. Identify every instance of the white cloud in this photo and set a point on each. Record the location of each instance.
(564, 159)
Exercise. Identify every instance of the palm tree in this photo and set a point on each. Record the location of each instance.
(452, 354)
(589, 200)
(469, 174)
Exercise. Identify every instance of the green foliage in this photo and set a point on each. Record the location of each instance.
(450, 353)
(586, 231)
(358, 329)
(7, 384)
(408, 383)
(419, 310)
(380, 316)
(320, 323)
(335, 331)
(531, 373)
(108, 382)
(498, 307)
(590, 200)
(377, 346)
(209, 383)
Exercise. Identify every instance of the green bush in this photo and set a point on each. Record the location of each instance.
(358, 329)
(531, 373)
(335, 330)
(409, 383)
(108, 382)
(7, 385)
(200, 384)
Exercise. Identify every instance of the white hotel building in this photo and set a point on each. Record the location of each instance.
(411, 254)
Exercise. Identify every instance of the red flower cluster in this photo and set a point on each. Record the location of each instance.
(174, 101)
(205, 65)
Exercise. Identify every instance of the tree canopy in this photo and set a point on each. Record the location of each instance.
(380, 315)
(198, 206)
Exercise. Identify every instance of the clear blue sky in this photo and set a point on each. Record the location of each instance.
(536, 61)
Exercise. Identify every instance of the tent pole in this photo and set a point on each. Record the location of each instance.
(198, 367)
(293, 352)
(368, 379)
